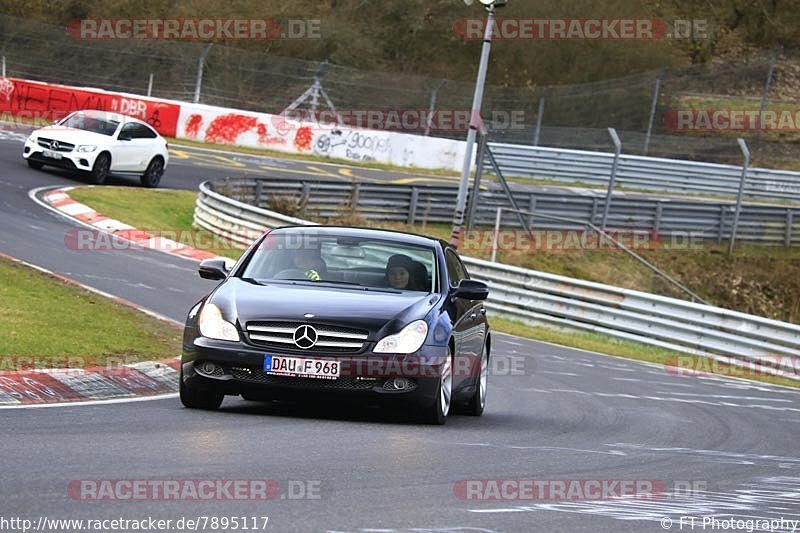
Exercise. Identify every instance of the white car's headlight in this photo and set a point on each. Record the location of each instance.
(87, 148)
(213, 327)
(409, 340)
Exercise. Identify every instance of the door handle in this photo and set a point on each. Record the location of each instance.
(483, 310)
(473, 316)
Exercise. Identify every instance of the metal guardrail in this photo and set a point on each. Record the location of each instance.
(645, 173)
(540, 298)
(678, 218)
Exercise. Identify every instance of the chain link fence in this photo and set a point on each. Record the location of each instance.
(568, 116)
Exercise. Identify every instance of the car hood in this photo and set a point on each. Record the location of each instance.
(71, 135)
(382, 313)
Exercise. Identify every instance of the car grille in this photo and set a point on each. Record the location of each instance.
(331, 339)
(62, 146)
(258, 375)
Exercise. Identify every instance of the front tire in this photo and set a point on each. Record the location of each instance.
(101, 168)
(152, 176)
(477, 403)
(193, 398)
(436, 414)
(35, 165)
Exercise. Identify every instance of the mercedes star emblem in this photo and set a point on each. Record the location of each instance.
(54, 145)
(305, 337)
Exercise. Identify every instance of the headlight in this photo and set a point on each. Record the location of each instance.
(213, 327)
(32, 139)
(87, 148)
(410, 339)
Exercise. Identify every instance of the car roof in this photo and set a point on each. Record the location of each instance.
(109, 115)
(365, 233)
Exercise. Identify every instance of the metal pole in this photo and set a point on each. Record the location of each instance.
(613, 178)
(539, 115)
(653, 105)
(432, 107)
(737, 212)
(767, 86)
(4, 67)
(200, 65)
(496, 235)
(476, 183)
(150, 85)
(458, 219)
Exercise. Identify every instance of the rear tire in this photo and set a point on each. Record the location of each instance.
(436, 413)
(152, 176)
(35, 165)
(194, 398)
(101, 168)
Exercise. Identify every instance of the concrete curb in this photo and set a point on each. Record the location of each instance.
(59, 200)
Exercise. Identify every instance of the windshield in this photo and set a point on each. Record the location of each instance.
(84, 122)
(353, 261)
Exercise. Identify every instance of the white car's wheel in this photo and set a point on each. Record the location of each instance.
(101, 168)
(152, 176)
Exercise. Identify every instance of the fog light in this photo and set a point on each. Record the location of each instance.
(208, 367)
(27, 149)
(84, 163)
(400, 383)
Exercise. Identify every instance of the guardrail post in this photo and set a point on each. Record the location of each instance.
(257, 196)
(657, 221)
(150, 85)
(721, 232)
(738, 212)
(496, 235)
(613, 177)
(531, 208)
(787, 238)
(412, 207)
(539, 115)
(595, 205)
(3, 73)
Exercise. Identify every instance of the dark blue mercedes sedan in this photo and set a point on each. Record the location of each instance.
(313, 311)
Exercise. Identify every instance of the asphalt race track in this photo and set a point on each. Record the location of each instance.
(552, 414)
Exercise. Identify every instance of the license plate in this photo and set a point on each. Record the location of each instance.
(301, 367)
(51, 154)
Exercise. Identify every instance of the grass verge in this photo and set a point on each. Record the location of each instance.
(46, 322)
(173, 210)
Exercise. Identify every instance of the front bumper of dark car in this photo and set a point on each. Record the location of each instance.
(237, 369)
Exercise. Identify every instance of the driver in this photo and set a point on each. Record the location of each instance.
(311, 263)
(398, 271)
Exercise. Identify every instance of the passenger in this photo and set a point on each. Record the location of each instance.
(398, 271)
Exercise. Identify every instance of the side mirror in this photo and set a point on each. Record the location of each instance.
(469, 289)
(214, 269)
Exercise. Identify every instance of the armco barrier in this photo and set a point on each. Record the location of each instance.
(541, 298)
(647, 173)
(707, 220)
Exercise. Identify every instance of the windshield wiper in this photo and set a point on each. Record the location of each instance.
(345, 283)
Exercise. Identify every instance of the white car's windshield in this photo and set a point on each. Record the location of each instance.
(84, 122)
(357, 261)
